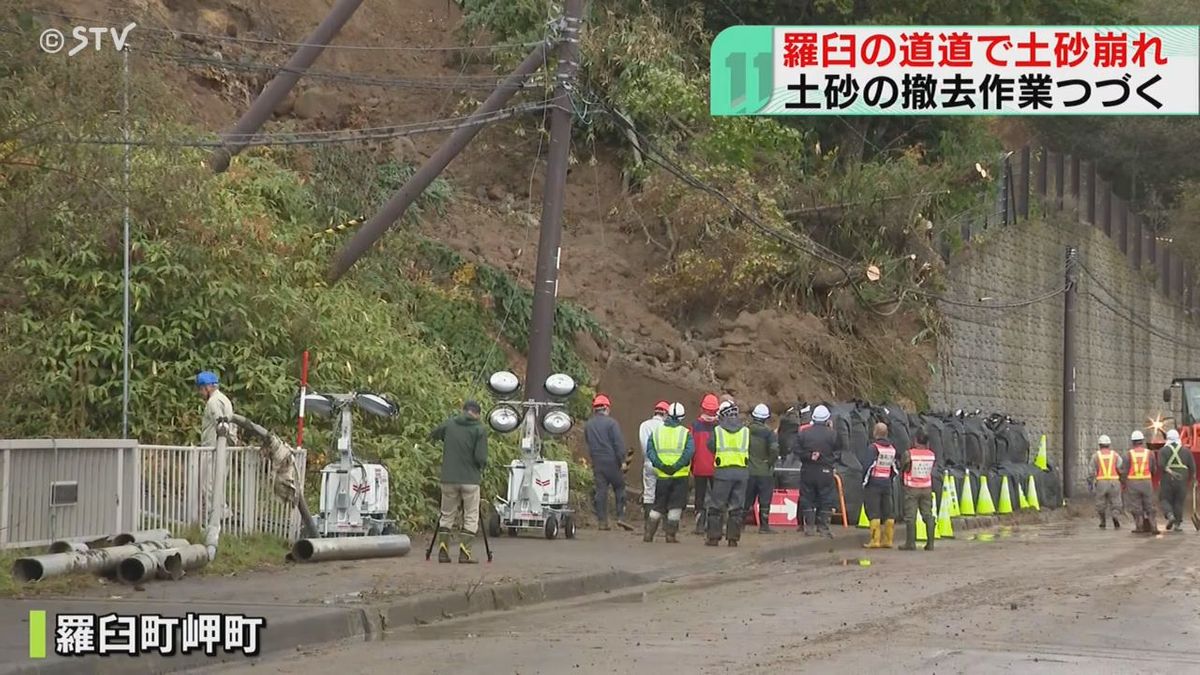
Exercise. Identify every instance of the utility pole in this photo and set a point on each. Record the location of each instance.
(275, 91)
(545, 288)
(1070, 443)
(125, 246)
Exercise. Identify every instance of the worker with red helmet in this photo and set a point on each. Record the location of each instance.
(649, 477)
(702, 461)
(606, 447)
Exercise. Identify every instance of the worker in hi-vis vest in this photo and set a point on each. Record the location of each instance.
(1104, 480)
(1139, 471)
(1176, 471)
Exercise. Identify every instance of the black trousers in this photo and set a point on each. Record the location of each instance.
(670, 496)
(880, 502)
(702, 484)
(818, 492)
(759, 488)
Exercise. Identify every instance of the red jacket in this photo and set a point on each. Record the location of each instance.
(702, 460)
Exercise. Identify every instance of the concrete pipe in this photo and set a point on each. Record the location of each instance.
(192, 558)
(145, 565)
(98, 561)
(65, 546)
(351, 548)
(140, 537)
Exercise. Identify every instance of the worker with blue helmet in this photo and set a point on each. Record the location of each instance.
(217, 406)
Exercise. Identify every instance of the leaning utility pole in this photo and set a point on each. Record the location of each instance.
(275, 91)
(1070, 443)
(545, 288)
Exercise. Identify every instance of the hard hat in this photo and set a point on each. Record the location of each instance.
(1172, 435)
(709, 403)
(729, 409)
(661, 407)
(724, 406)
(206, 378)
(821, 414)
(761, 412)
(601, 401)
(1137, 436)
(1105, 440)
(676, 411)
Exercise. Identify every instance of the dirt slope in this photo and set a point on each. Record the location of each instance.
(773, 355)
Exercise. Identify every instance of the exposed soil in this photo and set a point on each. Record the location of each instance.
(773, 355)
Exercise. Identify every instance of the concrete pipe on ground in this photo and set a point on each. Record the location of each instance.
(351, 548)
(145, 565)
(140, 537)
(98, 561)
(65, 546)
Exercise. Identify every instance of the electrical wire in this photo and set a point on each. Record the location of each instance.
(285, 43)
(316, 138)
(1133, 321)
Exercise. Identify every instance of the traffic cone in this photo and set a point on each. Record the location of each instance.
(954, 508)
(862, 517)
(922, 534)
(985, 506)
(967, 503)
(1021, 498)
(945, 529)
(1005, 497)
(1033, 499)
(1040, 459)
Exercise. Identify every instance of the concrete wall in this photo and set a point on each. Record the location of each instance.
(1011, 360)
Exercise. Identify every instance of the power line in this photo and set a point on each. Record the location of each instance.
(315, 138)
(285, 43)
(1133, 321)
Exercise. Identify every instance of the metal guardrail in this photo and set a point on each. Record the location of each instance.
(83, 489)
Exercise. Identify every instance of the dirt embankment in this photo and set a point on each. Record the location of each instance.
(773, 355)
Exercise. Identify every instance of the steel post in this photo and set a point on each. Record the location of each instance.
(1070, 442)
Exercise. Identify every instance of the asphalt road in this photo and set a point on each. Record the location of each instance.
(1066, 598)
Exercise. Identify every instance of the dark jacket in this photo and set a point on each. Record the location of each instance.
(1186, 474)
(604, 442)
(764, 449)
(689, 449)
(818, 447)
(464, 449)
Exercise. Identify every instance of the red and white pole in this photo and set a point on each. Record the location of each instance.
(303, 393)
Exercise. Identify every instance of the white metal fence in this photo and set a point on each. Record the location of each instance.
(82, 489)
(174, 490)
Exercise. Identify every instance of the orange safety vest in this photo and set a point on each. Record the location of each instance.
(1139, 463)
(882, 468)
(1106, 465)
(920, 472)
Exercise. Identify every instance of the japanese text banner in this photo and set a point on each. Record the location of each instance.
(956, 70)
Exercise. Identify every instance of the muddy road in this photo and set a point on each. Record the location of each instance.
(1063, 598)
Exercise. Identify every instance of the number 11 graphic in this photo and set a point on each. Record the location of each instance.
(762, 78)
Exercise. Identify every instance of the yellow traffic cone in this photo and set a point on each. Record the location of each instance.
(1033, 498)
(945, 529)
(862, 517)
(922, 535)
(1005, 497)
(985, 506)
(1040, 459)
(1024, 501)
(966, 505)
(954, 508)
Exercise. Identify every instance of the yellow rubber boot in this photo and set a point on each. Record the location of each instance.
(889, 530)
(875, 534)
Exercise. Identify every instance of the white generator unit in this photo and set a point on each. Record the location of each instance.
(368, 498)
(549, 482)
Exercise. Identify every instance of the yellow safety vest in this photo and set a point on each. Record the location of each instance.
(669, 443)
(1139, 464)
(733, 449)
(1106, 465)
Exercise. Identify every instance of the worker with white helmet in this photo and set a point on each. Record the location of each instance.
(1104, 480)
(764, 450)
(1177, 470)
(670, 449)
(818, 448)
(1140, 468)
(730, 445)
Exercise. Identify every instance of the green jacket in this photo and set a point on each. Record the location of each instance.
(464, 449)
(764, 449)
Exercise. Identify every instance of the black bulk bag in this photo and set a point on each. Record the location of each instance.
(979, 445)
